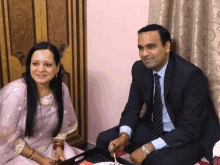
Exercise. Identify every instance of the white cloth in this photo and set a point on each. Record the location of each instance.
(216, 149)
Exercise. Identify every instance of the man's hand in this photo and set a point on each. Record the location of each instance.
(118, 144)
(138, 155)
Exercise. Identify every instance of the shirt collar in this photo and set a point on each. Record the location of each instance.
(161, 73)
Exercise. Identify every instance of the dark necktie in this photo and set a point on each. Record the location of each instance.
(157, 128)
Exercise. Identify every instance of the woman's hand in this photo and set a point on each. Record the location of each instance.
(46, 161)
(58, 155)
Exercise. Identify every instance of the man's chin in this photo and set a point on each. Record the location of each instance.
(148, 66)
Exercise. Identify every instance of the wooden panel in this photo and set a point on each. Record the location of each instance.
(20, 31)
(57, 21)
(21, 27)
(40, 20)
(82, 67)
(66, 30)
(4, 52)
(57, 11)
(1, 75)
(79, 51)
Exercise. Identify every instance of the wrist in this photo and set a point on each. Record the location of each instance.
(32, 155)
(148, 148)
(38, 158)
(145, 150)
(58, 145)
(124, 136)
(58, 149)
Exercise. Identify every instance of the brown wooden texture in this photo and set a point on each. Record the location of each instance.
(77, 23)
(21, 28)
(1, 78)
(18, 36)
(57, 14)
(57, 22)
(61, 22)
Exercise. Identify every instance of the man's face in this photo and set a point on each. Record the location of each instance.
(153, 54)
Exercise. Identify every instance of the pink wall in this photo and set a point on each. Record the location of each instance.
(112, 27)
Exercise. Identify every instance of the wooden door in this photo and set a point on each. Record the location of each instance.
(24, 23)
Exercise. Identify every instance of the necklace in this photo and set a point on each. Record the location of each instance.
(44, 92)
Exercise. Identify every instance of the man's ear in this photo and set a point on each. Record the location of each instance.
(167, 45)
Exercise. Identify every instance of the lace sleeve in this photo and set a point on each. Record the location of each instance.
(19, 146)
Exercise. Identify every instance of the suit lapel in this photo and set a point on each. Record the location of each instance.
(168, 79)
(148, 86)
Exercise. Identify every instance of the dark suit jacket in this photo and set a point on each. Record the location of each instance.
(185, 96)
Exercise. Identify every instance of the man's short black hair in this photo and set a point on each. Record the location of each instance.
(164, 33)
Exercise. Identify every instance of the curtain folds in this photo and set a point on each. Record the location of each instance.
(195, 31)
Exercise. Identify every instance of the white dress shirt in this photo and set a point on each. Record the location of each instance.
(167, 124)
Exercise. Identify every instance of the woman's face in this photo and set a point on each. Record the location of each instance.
(43, 67)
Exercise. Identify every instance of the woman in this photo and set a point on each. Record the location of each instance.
(36, 112)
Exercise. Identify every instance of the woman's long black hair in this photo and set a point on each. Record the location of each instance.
(32, 93)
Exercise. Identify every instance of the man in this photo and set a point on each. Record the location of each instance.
(175, 93)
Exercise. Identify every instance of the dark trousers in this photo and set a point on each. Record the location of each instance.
(187, 155)
(211, 132)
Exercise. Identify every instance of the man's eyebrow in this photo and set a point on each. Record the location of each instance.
(151, 44)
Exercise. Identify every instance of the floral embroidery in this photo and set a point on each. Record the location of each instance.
(46, 101)
(41, 149)
(70, 130)
(61, 136)
(19, 146)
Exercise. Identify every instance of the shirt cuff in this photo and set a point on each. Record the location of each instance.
(159, 143)
(216, 149)
(126, 129)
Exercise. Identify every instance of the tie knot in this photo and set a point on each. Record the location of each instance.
(157, 77)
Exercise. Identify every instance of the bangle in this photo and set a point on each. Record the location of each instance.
(145, 150)
(58, 144)
(32, 155)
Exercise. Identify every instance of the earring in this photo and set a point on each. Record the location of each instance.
(56, 75)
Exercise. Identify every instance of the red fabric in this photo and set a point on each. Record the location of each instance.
(204, 163)
(216, 161)
(122, 153)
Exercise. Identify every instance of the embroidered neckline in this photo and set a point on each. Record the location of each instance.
(48, 99)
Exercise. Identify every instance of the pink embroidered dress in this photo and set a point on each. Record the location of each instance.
(13, 111)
